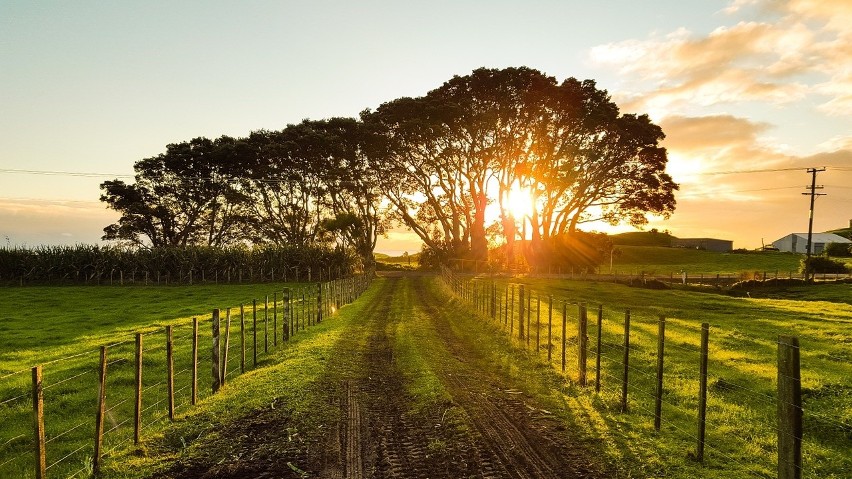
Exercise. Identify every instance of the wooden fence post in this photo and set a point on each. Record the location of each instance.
(582, 343)
(506, 308)
(658, 397)
(521, 306)
(493, 300)
(537, 325)
(243, 338)
(170, 372)
(217, 378)
(194, 368)
(512, 314)
(275, 318)
(319, 303)
(137, 408)
(702, 391)
(266, 325)
(254, 332)
(224, 369)
(598, 350)
(529, 316)
(549, 328)
(285, 319)
(564, 328)
(789, 408)
(626, 360)
(38, 424)
(99, 418)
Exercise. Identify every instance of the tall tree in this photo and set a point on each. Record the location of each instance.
(590, 163)
(416, 171)
(354, 195)
(517, 129)
(180, 197)
(496, 113)
(283, 187)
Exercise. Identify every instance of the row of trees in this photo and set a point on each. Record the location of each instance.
(305, 185)
(434, 163)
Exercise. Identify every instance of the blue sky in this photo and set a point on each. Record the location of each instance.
(743, 84)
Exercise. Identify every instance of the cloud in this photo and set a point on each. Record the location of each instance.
(699, 146)
(689, 134)
(32, 222)
(836, 13)
(714, 158)
(804, 53)
(836, 143)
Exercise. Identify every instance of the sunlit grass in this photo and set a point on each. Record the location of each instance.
(741, 437)
(656, 260)
(46, 325)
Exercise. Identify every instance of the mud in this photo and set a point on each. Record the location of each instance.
(496, 431)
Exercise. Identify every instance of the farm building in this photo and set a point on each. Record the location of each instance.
(710, 244)
(798, 242)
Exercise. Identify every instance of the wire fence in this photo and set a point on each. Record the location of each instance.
(61, 418)
(638, 273)
(746, 415)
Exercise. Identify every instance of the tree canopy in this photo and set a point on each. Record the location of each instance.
(446, 165)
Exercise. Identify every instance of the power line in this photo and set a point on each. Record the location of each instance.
(737, 172)
(48, 200)
(84, 174)
(717, 193)
(87, 174)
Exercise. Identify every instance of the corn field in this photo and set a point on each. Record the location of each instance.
(93, 264)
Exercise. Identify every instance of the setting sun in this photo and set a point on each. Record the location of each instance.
(519, 202)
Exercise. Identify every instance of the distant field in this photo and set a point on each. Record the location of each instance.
(412, 260)
(663, 261)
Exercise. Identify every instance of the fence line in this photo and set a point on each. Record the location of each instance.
(659, 400)
(157, 386)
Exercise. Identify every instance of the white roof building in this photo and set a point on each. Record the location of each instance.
(798, 242)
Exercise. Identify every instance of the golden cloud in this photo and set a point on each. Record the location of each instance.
(685, 134)
(807, 52)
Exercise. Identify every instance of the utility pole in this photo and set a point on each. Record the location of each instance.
(813, 194)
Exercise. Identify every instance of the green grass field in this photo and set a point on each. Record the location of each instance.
(63, 328)
(741, 438)
(44, 325)
(663, 261)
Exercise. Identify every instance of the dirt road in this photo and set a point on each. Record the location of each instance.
(416, 400)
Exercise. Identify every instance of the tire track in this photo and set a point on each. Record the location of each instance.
(511, 446)
(379, 437)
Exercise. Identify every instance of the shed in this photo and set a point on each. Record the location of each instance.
(798, 242)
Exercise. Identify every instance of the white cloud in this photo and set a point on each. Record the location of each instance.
(805, 53)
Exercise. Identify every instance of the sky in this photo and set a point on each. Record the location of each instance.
(750, 93)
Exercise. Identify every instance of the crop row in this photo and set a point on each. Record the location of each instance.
(102, 264)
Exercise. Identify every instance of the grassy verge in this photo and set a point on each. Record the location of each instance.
(296, 393)
(741, 438)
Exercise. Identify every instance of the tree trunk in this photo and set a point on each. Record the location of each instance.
(478, 242)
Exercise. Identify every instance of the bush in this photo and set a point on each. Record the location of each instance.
(838, 250)
(821, 264)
